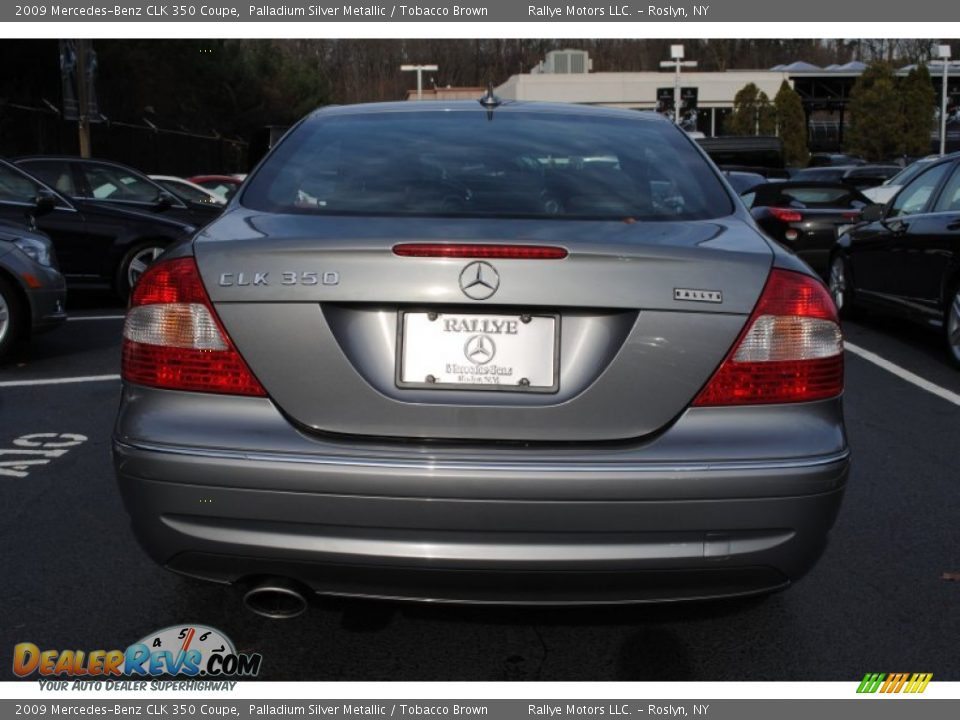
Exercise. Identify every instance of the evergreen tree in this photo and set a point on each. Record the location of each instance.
(792, 123)
(766, 115)
(752, 113)
(917, 110)
(743, 119)
(876, 123)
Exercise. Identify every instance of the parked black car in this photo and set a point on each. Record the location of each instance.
(905, 258)
(805, 216)
(32, 291)
(760, 154)
(78, 178)
(99, 244)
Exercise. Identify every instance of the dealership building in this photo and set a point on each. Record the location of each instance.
(707, 97)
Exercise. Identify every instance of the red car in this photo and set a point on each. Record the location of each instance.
(223, 185)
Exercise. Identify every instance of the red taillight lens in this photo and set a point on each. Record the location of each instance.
(786, 215)
(852, 216)
(791, 349)
(173, 339)
(480, 250)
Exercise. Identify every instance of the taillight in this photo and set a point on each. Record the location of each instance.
(791, 348)
(786, 214)
(172, 337)
(480, 250)
(852, 216)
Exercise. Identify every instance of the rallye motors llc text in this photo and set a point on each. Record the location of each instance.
(616, 710)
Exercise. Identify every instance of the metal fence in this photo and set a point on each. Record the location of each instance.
(41, 131)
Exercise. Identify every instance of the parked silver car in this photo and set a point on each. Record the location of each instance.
(431, 353)
(32, 290)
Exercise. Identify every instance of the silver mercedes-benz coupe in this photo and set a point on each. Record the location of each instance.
(482, 352)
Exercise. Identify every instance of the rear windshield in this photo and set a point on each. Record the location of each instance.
(805, 197)
(463, 164)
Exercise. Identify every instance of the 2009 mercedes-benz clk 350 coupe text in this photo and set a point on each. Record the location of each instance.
(483, 352)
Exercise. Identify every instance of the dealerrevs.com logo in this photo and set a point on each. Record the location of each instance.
(894, 682)
(184, 650)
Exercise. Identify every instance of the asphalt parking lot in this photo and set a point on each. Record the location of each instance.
(75, 578)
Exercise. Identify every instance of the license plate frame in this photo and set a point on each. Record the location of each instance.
(503, 315)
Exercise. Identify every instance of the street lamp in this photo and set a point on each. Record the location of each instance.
(419, 70)
(676, 52)
(943, 52)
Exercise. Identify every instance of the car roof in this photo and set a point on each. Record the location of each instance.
(505, 106)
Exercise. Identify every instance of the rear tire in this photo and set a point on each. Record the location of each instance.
(12, 321)
(841, 286)
(951, 325)
(134, 264)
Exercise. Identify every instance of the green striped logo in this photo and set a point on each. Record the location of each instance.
(894, 682)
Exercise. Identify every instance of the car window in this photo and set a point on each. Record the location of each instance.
(109, 182)
(949, 200)
(517, 164)
(16, 187)
(819, 175)
(186, 192)
(55, 173)
(813, 196)
(915, 196)
(908, 173)
(218, 187)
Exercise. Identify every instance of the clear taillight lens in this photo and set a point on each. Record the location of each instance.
(173, 339)
(791, 349)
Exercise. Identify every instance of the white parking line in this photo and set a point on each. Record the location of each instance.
(75, 318)
(60, 381)
(904, 374)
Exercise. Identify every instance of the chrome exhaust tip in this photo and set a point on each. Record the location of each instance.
(276, 598)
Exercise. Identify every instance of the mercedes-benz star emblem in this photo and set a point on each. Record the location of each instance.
(479, 349)
(479, 280)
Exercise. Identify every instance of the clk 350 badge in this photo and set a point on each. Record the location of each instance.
(711, 296)
(244, 279)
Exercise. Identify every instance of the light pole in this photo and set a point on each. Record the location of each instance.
(943, 52)
(676, 52)
(419, 70)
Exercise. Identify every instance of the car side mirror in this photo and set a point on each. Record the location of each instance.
(873, 213)
(164, 200)
(44, 202)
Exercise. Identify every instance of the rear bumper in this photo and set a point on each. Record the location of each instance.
(533, 526)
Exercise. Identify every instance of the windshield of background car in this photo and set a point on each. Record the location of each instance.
(114, 183)
(908, 173)
(222, 189)
(806, 197)
(186, 192)
(462, 164)
(15, 187)
(914, 197)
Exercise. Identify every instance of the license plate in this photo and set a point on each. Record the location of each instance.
(478, 352)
